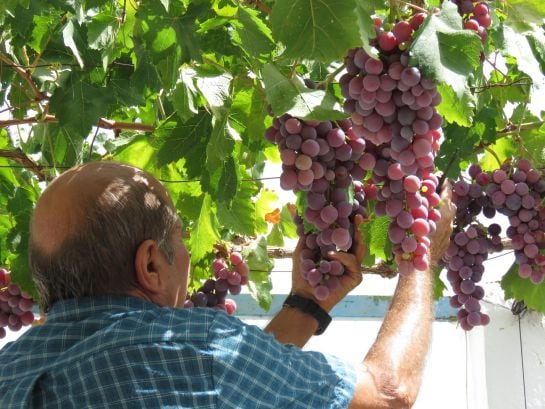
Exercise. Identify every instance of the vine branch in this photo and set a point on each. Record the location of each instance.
(102, 123)
(38, 95)
(17, 155)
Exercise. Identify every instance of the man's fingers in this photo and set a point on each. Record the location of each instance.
(359, 245)
(348, 260)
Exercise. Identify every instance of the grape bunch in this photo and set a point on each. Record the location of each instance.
(322, 274)
(313, 151)
(321, 161)
(468, 249)
(516, 192)
(392, 107)
(230, 274)
(476, 16)
(15, 305)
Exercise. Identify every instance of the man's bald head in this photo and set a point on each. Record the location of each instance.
(87, 225)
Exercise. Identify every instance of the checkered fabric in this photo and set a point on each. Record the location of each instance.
(124, 352)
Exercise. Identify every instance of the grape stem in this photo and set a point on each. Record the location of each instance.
(414, 6)
(494, 154)
(330, 77)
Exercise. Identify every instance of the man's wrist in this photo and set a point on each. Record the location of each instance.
(311, 308)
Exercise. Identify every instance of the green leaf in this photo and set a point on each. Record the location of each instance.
(251, 33)
(166, 4)
(241, 216)
(444, 51)
(454, 108)
(229, 182)
(497, 153)
(364, 10)
(43, 26)
(523, 13)
(439, 286)
(187, 141)
(517, 45)
(315, 29)
(292, 97)
(522, 289)
(68, 36)
(266, 203)
(376, 235)
(139, 152)
(101, 31)
(79, 104)
(185, 95)
(204, 233)
(260, 264)
(287, 225)
(275, 237)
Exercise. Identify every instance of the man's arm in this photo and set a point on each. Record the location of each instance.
(295, 327)
(391, 373)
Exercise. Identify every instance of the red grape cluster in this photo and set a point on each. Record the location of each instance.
(392, 108)
(464, 259)
(515, 192)
(15, 306)
(230, 275)
(476, 16)
(321, 159)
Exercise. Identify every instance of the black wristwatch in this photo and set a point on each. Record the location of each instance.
(311, 308)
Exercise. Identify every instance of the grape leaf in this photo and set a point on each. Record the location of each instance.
(521, 14)
(188, 141)
(101, 31)
(228, 182)
(275, 237)
(445, 52)
(287, 224)
(496, 154)
(260, 264)
(317, 29)
(241, 217)
(80, 104)
(522, 289)
(292, 97)
(517, 45)
(139, 152)
(364, 10)
(204, 233)
(251, 33)
(266, 203)
(376, 237)
(185, 95)
(454, 108)
(68, 36)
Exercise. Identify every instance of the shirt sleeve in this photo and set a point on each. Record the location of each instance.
(251, 369)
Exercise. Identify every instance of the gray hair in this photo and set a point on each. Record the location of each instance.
(99, 258)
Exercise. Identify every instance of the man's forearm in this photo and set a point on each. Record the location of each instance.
(292, 326)
(402, 344)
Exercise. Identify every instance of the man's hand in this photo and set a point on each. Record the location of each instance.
(348, 281)
(440, 240)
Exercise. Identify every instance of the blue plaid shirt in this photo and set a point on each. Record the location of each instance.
(124, 352)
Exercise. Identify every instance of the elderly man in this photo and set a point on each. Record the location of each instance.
(108, 260)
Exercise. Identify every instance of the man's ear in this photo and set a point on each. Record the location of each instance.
(147, 263)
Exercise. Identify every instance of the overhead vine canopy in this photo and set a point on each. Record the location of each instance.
(184, 89)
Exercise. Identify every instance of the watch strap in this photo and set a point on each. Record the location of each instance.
(311, 308)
